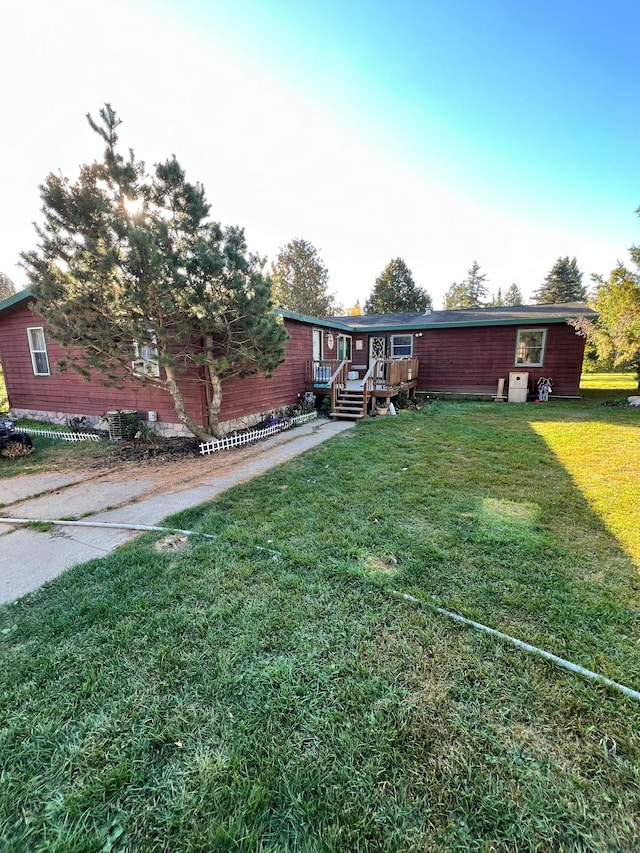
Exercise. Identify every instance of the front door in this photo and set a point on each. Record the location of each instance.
(377, 349)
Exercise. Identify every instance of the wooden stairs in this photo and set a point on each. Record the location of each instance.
(350, 404)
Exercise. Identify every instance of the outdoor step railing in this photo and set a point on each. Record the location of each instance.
(390, 373)
(338, 382)
(319, 371)
(383, 375)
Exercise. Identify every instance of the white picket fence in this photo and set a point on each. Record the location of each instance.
(63, 436)
(238, 439)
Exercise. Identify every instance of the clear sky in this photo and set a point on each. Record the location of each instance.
(441, 131)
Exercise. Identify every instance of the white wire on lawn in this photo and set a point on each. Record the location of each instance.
(118, 525)
(526, 647)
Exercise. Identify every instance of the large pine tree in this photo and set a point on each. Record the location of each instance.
(562, 284)
(472, 292)
(129, 261)
(395, 292)
(300, 280)
(513, 296)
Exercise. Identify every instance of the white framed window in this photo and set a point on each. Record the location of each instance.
(344, 347)
(38, 350)
(401, 346)
(530, 346)
(146, 359)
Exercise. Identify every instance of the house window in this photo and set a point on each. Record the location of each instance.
(344, 347)
(146, 359)
(38, 349)
(401, 346)
(530, 347)
(317, 344)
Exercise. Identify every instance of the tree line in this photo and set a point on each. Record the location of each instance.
(300, 283)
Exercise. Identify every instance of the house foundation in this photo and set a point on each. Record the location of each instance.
(163, 429)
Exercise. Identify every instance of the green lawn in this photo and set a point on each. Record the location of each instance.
(600, 386)
(51, 454)
(223, 698)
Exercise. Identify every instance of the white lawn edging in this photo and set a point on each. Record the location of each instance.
(239, 439)
(63, 436)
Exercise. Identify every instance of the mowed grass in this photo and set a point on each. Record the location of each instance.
(51, 454)
(602, 386)
(603, 461)
(226, 697)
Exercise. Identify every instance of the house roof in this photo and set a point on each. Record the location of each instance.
(503, 316)
(330, 322)
(15, 298)
(517, 315)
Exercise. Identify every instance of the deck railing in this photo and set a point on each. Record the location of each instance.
(367, 384)
(384, 377)
(320, 371)
(390, 373)
(338, 382)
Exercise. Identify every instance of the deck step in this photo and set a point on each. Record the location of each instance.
(349, 404)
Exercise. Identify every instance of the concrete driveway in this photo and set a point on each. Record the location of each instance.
(28, 557)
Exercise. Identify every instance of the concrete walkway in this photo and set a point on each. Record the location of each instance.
(28, 558)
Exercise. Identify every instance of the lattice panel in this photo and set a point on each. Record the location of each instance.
(377, 347)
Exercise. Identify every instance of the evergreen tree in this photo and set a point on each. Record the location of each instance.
(470, 293)
(7, 287)
(497, 299)
(300, 280)
(129, 260)
(395, 292)
(513, 296)
(562, 284)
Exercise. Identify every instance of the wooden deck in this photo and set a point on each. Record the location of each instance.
(351, 396)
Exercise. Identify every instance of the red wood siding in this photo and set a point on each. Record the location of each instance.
(360, 356)
(69, 393)
(472, 359)
(462, 360)
(260, 394)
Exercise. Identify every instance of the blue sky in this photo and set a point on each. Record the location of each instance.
(505, 132)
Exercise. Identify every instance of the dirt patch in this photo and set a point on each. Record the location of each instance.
(172, 465)
(162, 467)
(158, 452)
(387, 564)
(173, 542)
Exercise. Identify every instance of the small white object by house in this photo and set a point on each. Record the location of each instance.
(518, 387)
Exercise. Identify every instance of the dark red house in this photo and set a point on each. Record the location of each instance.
(355, 359)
